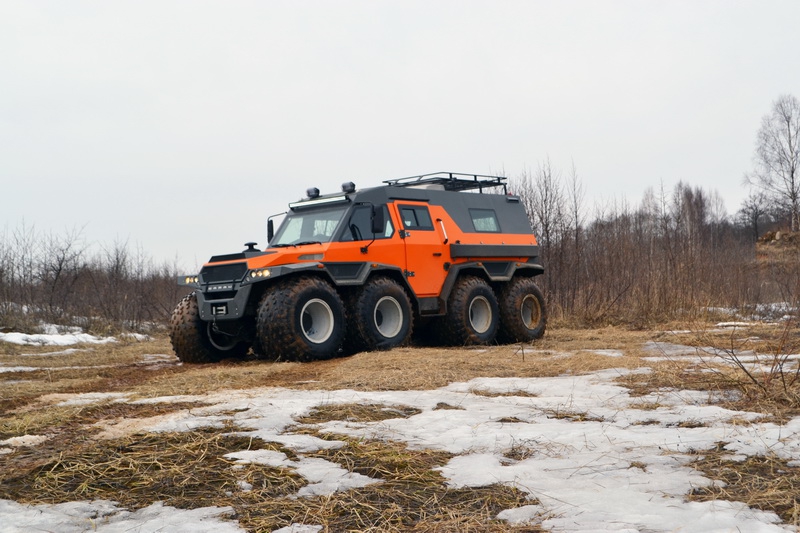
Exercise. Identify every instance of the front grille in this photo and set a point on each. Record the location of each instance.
(220, 273)
(220, 295)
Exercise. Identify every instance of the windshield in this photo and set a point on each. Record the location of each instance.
(308, 227)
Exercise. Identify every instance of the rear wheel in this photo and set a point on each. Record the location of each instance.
(300, 320)
(523, 317)
(196, 341)
(472, 313)
(381, 313)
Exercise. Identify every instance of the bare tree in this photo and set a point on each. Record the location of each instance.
(576, 219)
(58, 270)
(576, 193)
(548, 203)
(777, 157)
(754, 210)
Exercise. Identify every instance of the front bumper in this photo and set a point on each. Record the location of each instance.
(227, 301)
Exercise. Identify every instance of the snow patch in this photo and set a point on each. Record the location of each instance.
(102, 516)
(89, 398)
(325, 478)
(43, 339)
(299, 528)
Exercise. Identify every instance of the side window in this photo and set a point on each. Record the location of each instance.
(359, 227)
(388, 228)
(416, 217)
(484, 220)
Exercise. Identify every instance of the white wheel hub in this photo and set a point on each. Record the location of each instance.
(388, 317)
(480, 314)
(529, 311)
(317, 320)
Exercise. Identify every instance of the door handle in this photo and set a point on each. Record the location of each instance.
(444, 231)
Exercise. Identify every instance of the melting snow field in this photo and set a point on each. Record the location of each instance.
(619, 467)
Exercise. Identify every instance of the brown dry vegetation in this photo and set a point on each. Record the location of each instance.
(189, 470)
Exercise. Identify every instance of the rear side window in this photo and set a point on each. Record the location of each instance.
(484, 220)
(415, 217)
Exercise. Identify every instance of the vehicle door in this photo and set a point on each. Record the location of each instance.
(425, 251)
(357, 243)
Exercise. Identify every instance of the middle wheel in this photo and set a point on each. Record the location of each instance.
(300, 320)
(472, 313)
(381, 316)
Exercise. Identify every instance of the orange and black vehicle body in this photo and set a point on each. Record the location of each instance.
(360, 269)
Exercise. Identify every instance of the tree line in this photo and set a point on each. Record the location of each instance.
(675, 255)
(59, 279)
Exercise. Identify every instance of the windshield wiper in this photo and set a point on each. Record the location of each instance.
(295, 244)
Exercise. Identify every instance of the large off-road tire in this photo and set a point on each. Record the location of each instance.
(195, 341)
(523, 316)
(380, 316)
(300, 319)
(472, 313)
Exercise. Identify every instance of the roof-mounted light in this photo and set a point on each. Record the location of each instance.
(312, 192)
(348, 187)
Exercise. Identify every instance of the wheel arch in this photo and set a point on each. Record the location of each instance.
(346, 278)
(495, 273)
(280, 323)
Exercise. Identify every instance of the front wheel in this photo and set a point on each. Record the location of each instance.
(196, 341)
(523, 316)
(472, 313)
(300, 320)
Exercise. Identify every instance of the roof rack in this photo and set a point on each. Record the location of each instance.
(451, 181)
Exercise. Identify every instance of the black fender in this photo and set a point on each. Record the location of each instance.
(491, 271)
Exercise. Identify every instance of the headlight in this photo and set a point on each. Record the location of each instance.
(191, 279)
(258, 273)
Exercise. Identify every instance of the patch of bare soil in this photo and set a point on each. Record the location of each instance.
(775, 247)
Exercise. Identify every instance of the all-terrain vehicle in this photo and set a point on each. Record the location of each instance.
(359, 269)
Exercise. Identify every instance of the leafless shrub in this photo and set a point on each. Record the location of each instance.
(765, 371)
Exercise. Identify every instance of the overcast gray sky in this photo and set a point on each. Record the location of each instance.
(178, 126)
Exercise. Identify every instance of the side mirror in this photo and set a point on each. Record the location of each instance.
(378, 223)
(270, 231)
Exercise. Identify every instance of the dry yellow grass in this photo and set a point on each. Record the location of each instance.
(413, 368)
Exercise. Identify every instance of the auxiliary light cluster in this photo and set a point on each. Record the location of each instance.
(191, 279)
(259, 273)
